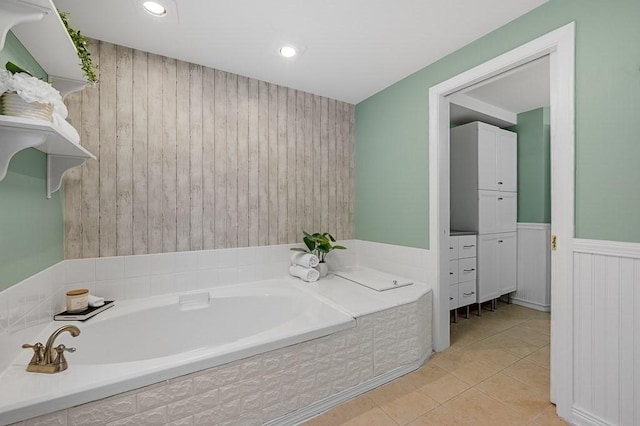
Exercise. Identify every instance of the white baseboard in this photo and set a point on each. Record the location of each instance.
(531, 305)
(326, 404)
(582, 418)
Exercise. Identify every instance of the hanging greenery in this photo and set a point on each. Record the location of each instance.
(81, 44)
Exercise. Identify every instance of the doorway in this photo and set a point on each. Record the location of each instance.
(559, 46)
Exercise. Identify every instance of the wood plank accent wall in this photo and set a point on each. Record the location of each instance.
(193, 158)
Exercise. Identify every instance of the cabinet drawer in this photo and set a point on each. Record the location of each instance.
(466, 246)
(453, 271)
(467, 293)
(453, 247)
(467, 269)
(453, 296)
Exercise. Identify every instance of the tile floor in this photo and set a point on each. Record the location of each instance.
(496, 372)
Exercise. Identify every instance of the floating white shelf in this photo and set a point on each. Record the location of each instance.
(39, 28)
(18, 133)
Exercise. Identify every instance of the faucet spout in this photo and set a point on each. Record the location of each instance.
(48, 349)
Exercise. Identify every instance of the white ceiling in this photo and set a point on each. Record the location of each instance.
(519, 90)
(351, 49)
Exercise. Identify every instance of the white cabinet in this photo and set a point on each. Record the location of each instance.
(462, 271)
(484, 199)
(497, 211)
(507, 161)
(497, 272)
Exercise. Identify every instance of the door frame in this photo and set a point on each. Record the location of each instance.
(560, 46)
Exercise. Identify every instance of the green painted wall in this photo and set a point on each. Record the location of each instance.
(392, 173)
(534, 172)
(31, 226)
(15, 52)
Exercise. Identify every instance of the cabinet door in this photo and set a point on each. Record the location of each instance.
(488, 212)
(506, 211)
(507, 161)
(487, 267)
(487, 177)
(507, 263)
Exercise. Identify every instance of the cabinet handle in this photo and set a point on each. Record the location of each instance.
(500, 241)
(469, 294)
(472, 245)
(470, 270)
(450, 248)
(450, 273)
(499, 198)
(450, 298)
(499, 183)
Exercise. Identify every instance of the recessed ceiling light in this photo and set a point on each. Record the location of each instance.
(288, 51)
(154, 8)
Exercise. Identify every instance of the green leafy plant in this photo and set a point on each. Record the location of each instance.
(81, 44)
(13, 69)
(319, 244)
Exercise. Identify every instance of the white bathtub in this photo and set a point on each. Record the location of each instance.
(140, 342)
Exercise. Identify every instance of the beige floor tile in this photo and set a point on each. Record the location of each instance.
(475, 408)
(390, 391)
(540, 325)
(473, 372)
(343, 413)
(408, 407)
(531, 374)
(441, 416)
(510, 343)
(549, 417)
(441, 385)
(540, 357)
(373, 417)
(496, 358)
(520, 397)
(528, 335)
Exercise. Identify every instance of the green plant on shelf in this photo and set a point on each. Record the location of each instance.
(82, 46)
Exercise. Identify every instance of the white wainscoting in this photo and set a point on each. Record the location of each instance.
(607, 333)
(534, 266)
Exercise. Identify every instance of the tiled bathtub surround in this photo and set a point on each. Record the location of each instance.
(269, 387)
(35, 300)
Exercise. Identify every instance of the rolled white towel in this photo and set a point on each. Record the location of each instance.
(307, 260)
(306, 274)
(95, 301)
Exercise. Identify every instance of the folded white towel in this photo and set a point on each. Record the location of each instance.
(95, 301)
(65, 128)
(307, 260)
(306, 274)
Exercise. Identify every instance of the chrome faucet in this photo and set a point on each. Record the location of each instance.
(49, 359)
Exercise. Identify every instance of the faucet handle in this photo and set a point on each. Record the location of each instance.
(60, 362)
(38, 352)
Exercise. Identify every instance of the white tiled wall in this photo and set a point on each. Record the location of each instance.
(409, 262)
(268, 386)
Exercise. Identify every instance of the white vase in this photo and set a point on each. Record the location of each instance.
(323, 268)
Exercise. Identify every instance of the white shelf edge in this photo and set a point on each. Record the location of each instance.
(18, 133)
(58, 57)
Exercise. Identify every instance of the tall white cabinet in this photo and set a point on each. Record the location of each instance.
(484, 182)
